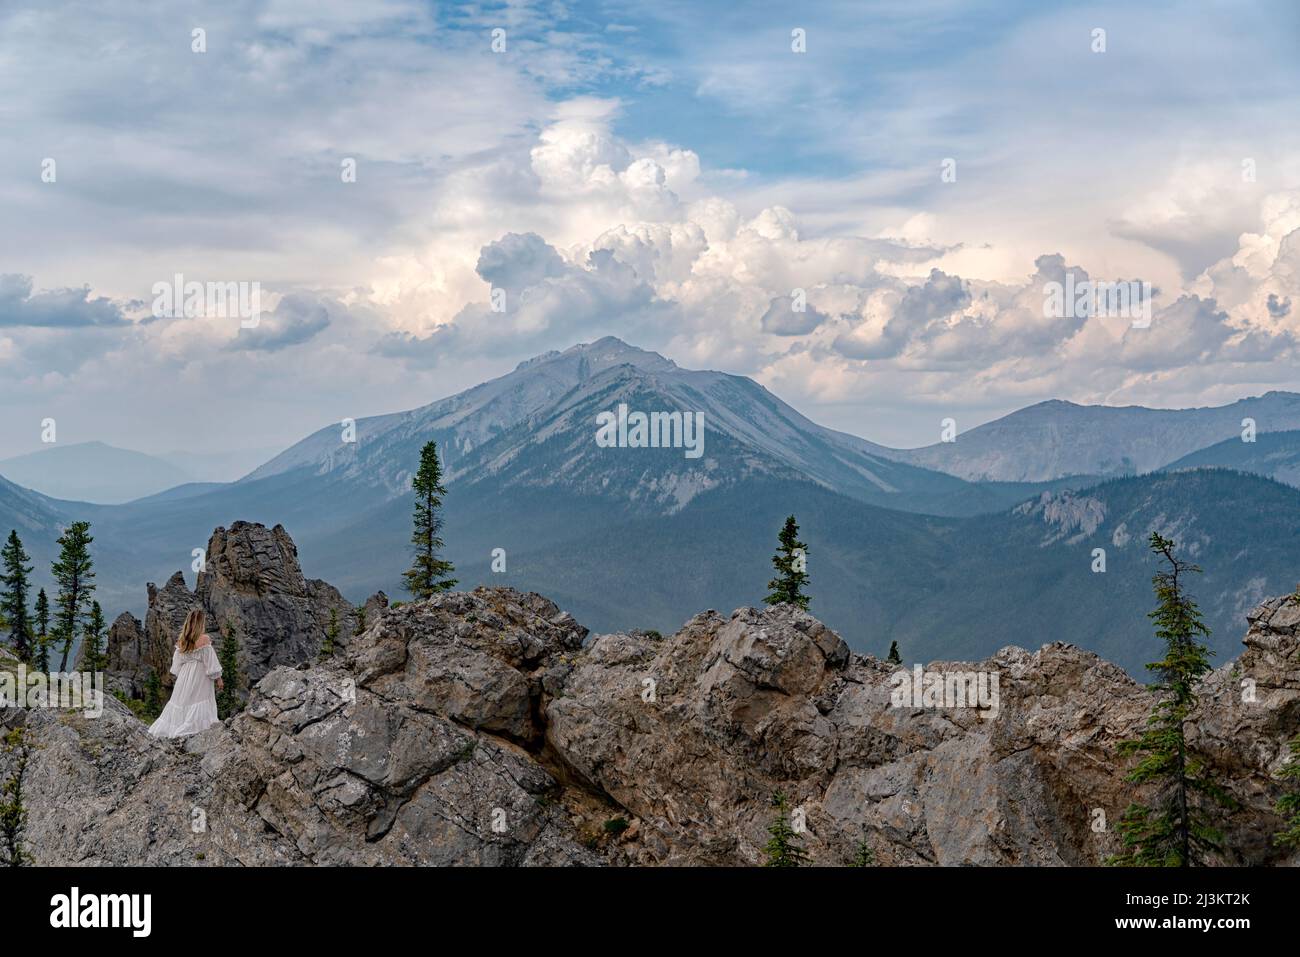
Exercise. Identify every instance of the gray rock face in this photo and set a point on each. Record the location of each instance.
(126, 652)
(693, 734)
(101, 791)
(168, 607)
(375, 606)
(494, 651)
(253, 581)
(417, 746)
(482, 728)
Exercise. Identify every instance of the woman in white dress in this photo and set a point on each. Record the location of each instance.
(193, 704)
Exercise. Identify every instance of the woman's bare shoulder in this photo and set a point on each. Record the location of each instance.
(203, 642)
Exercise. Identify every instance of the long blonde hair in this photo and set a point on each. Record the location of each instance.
(192, 630)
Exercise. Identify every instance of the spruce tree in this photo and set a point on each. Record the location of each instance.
(791, 564)
(75, 575)
(331, 635)
(894, 657)
(93, 640)
(41, 657)
(228, 655)
(1288, 805)
(1178, 831)
(783, 847)
(429, 573)
(361, 620)
(13, 813)
(865, 856)
(153, 703)
(13, 601)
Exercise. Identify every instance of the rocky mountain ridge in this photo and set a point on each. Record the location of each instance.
(1052, 439)
(489, 728)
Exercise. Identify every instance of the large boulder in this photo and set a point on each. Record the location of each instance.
(418, 744)
(126, 655)
(480, 659)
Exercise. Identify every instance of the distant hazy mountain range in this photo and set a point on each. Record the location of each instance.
(106, 475)
(1276, 454)
(917, 546)
(1054, 439)
(92, 472)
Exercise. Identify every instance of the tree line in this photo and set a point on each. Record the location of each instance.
(33, 631)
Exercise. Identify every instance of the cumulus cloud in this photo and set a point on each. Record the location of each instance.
(297, 319)
(783, 319)
(919, 315)
(539, 301)
(54, 308)
(515, 262)
(620, 252)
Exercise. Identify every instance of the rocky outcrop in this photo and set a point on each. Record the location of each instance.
(168, 607)
(252, 582)
(764, 702)
(126, 654)
(411, 750)
(101, 791)
(487, 728)
(417, 747)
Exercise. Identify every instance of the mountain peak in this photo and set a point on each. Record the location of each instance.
(611, 351)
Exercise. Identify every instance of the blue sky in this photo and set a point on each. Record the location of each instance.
(664, 172)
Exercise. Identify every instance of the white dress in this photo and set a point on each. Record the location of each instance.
(193, 704)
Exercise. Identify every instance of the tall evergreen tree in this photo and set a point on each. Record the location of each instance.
(864, 856)
(1178, 831)
(228, 655)
(1288, 805)
(429, 573)
(153, 703)
(791, 564)
(894, 657)
(41, 656)
(93, 640)
(13, 812)
(331, 635)
(13, 601)
(75, 575)
(783, 847)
